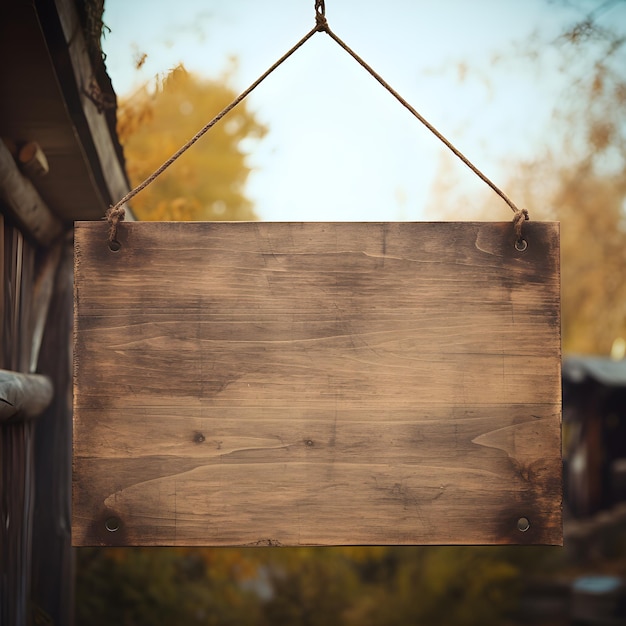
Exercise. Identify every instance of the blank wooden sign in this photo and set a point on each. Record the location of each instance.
(317, 384)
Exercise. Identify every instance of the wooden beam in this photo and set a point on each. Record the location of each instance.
(112, 170)
(22, 201)
(23, 395)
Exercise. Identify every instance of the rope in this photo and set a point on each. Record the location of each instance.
(320, 15)
(115, 214)
(518, 221)
(319, 5)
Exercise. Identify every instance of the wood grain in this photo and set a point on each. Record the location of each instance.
(316, 384)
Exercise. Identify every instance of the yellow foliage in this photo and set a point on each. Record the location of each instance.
(207, 182)
(581, 182)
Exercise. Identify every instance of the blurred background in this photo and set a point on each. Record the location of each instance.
(534, 94)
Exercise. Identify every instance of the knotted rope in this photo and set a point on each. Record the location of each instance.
(115, 214)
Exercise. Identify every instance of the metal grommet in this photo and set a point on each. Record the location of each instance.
(521, 245)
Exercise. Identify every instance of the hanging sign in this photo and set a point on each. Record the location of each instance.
(251, 384)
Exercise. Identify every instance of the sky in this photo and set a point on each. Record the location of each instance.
(339, 147)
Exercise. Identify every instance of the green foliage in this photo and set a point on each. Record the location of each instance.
(311, 587)
(207, 181)
(439, 585)
(160, 586)
(296, 586)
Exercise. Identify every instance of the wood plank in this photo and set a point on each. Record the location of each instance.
(18, 508)
(53, 567)
(43, 289)
(316, 384)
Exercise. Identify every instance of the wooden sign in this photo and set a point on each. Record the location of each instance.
(252, 384)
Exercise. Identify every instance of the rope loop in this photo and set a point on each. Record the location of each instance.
(320, 16)
(521, 215)
(114, 215)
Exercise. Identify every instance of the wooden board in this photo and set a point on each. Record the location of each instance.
(317, 384)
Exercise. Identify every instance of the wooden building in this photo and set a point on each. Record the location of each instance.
(60, 161)
(594, 434)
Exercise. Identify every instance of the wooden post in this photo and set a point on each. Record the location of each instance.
(21, 396)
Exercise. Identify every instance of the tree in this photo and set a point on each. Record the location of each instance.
(149, 587)
(390, 586)
(579, 178)
(582, 183)
(207, 182)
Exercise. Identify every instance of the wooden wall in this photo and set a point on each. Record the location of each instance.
(35, 555)
(16, 438)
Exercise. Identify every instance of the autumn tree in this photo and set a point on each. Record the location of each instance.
(578, 177)
(208, 181)
(581, 181)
